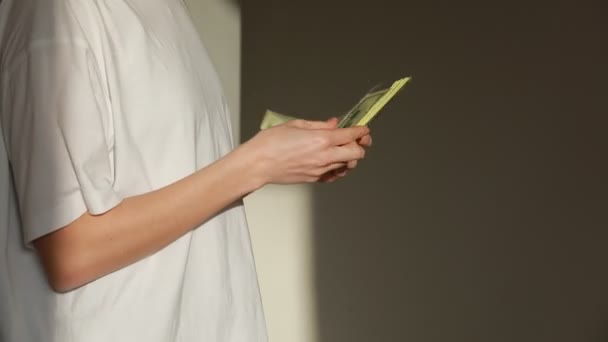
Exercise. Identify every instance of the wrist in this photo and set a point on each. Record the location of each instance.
(251, 167)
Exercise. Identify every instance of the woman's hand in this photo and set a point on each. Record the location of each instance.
(365, 141)
(305, 151)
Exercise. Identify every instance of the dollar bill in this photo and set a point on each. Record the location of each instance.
(366, 110)
(356, 114)
(371, 104)
(272, 119)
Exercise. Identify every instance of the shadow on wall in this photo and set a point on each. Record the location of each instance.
(480, 213)
(235, 4)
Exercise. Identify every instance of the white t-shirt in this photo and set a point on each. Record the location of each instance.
(103, 100)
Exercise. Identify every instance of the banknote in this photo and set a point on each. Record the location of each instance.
(366, 110)
(272, 119)
(371, 104)
(365, 104)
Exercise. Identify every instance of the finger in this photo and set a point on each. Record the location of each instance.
(329, 168)
(365, 141)
(351, 164)
(305, 124)
(333, 122)
(328, 178)
(344, 154)
(334, 175)
(343, 136)
(341, 172)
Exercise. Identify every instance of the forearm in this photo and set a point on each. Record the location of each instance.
(94, 246)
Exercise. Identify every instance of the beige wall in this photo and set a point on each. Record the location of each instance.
(219, 23)
(281, 223)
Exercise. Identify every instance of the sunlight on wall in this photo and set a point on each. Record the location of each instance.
(280, 219)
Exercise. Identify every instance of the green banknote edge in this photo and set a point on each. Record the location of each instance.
(272, 118)
(377, 107)
(354, 113)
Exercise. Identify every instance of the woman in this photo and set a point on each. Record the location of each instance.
(123, 220)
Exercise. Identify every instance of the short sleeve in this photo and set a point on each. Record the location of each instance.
(59, 138)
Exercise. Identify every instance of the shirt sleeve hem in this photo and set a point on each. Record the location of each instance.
(62, 214)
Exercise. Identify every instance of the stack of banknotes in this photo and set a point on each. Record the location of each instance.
(361, 114)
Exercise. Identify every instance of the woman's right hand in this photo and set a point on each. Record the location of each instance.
(302, 151)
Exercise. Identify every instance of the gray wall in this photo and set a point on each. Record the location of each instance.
(481, 211)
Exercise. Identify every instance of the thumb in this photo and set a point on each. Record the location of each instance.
(343, 136)
(306, 124)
